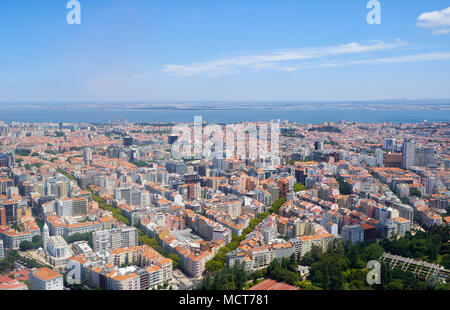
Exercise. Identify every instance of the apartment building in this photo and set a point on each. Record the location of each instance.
(79, 206)
(2, 250)
(304, 244)
(82, 228)
(45, 279)
(402, 226)
(12, 239)
(106, 240)
(125, 256)
(353, 233)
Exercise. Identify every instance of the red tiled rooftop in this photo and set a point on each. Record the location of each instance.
(272, 285)
(18, 275)
(11, 285)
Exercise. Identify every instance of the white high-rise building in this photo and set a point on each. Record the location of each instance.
(64, 207)
(379, 157)
(424, 156)
(389, 144)
(123, 194)
(430, 183)
(2, 250)
(129, 237)
(101, 240)
(408, 154)
(106, 240)
(87, 156)
(353, 233)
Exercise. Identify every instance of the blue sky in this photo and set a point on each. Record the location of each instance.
(146, 50)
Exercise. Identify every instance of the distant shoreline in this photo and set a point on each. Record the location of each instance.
(315, 115)
(274, 108)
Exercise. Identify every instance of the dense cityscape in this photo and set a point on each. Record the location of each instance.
(87, 206)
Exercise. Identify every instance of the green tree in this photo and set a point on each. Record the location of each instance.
(175, 260)
(372, 252)
(299, 187)
(37, 241)
(446, 261)
(26, 246)
(395, 285)
(344, 187)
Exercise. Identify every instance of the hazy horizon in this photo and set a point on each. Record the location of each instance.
(153, 51)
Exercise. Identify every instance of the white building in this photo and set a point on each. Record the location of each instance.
(352, 233)
(64, 207)
(2, 250)
(106, 240)
(129, 237)
(82, 247)
(87, 156)
(403, 189)
(45, 279)
(379, 157)
(101, 240)
(408, 154)
(402, 225)
(58, 251)
(424, 156)
(332, 228)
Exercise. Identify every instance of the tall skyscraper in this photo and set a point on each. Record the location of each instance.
(79, 206)
(408, 153)
(87, 156)
(2, 251)
(430, 182)
(389, 144)
(379, 157)
(424, 156)
(64, 207)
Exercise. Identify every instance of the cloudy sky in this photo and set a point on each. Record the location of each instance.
(146, 50)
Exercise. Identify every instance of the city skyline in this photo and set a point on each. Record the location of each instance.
(221, 147)
(90, 206)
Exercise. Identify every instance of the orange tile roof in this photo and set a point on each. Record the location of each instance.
(272, 285)
(46, 274)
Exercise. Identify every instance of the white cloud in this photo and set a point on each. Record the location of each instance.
(386, 60)
(274, 59)
(438, 20)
